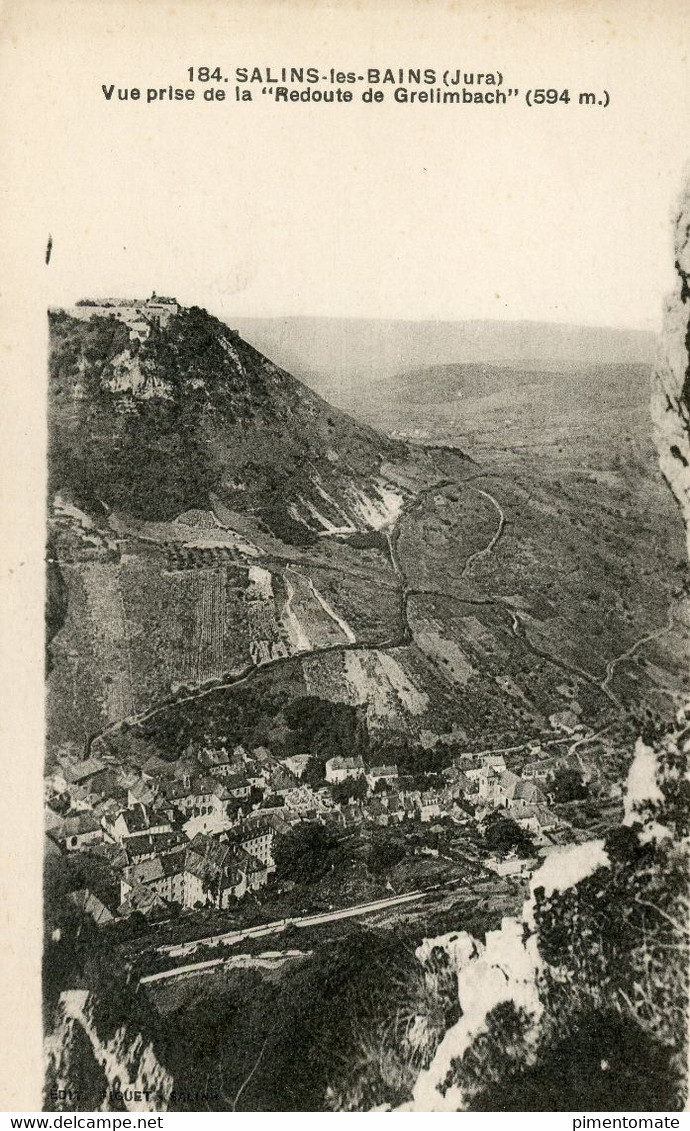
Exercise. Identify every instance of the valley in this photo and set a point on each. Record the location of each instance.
(312, 680)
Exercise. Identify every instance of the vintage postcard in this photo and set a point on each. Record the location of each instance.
(345, 561)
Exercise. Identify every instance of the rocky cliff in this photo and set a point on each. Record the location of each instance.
(671, 380)
(570, 1004)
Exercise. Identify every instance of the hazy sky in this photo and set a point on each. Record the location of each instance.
(390, 211)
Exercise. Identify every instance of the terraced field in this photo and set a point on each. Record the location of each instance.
(492, 604)
(165, 618)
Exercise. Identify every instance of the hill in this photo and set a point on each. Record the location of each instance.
(211, 516)
(191, 481)
(154, 425)
(572, 411)
(332, 354)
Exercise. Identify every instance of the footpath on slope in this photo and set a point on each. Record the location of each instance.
(402, 637)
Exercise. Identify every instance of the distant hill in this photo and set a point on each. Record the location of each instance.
(583, 412)
(332, 353)
(574, 388)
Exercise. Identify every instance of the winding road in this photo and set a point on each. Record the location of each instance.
(403, 635)
(486, 550)
(613, 664)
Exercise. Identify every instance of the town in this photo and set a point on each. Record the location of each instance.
(203, 830)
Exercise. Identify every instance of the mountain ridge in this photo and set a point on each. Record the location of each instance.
(326, 351)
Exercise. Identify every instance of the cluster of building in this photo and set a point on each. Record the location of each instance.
(193, 832)
(139, 314)
(526, 796)
(390, 799)
(477, 784)
(201, 830)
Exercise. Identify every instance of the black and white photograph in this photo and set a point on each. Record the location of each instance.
(365, 456)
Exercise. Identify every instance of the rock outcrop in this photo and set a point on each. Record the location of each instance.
(86, 1071)
(671, 377)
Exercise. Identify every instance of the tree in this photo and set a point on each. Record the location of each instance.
(352, 789)
(384, 854)
(568, 785)
(425, 781)
(256, 796)
(308, 852)
(606, 1064)
(503, 835)
(313, 773)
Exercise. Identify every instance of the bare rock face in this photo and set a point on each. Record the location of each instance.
(86, 1071)
(671, 376)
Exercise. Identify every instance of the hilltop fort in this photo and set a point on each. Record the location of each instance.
(138, 313)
